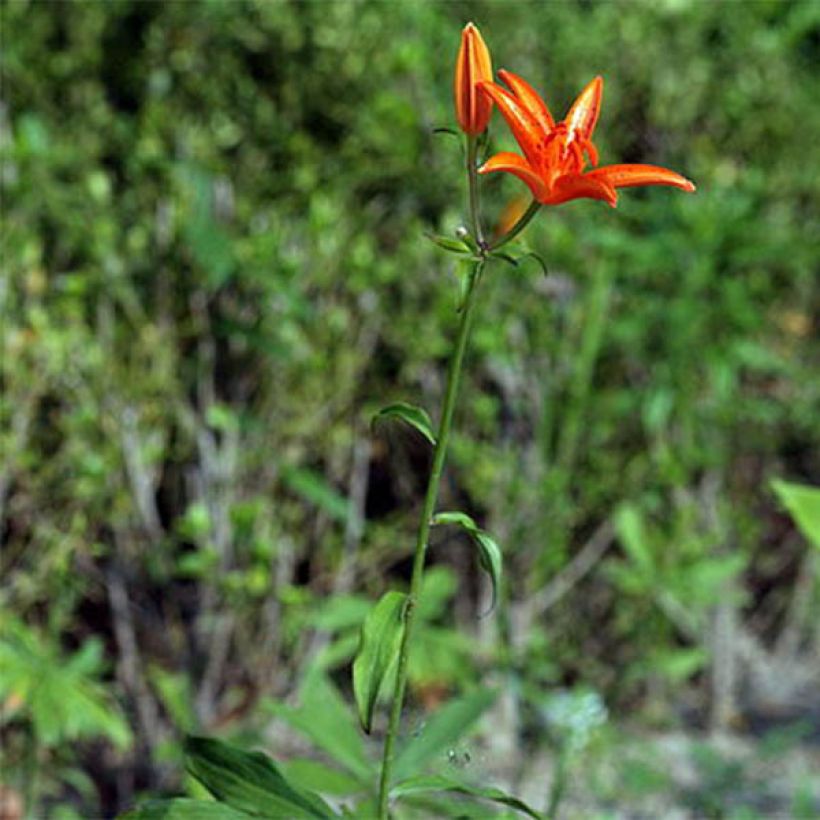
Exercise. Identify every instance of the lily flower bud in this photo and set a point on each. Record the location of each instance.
(473, 66)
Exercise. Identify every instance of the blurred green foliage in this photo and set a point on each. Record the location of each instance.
(214, 272)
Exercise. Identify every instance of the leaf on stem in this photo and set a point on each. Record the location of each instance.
(378, 651)
(451, 131)
(803, 504)
(515, 256)
(447, 243)
(436, 783)
(249, 781)
(410, 414)
(489, 553)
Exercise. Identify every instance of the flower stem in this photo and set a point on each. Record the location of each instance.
(439, 454)
(472, 178)
(431, 497)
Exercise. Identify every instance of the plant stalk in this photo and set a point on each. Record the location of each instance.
(472, 182)
(431, 497)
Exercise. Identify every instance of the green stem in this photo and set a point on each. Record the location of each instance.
(439, 454)
(558, 786)
(519, 226)
(431, 497)
(472, 181)
(31, 765)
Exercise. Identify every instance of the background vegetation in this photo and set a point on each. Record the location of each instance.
(214, 272)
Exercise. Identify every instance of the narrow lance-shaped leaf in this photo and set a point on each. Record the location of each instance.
(516, 254)
(631, 530)
(323, 716)
(249, 781)
(410, 414)
(489, 553)
(419, 785)
(446, 727)
(378, 650)
(449, 244)
(803, 504)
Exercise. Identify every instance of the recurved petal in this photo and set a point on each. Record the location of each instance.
(629, 176)
(583, 115)
(530, 98)
(522, 123)
(514, 164)
(578, 186)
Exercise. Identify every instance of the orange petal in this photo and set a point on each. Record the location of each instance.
(514, 164)
(578, 186)
(530, 98)
(473, 65)
(523, 125)
(584, 112)
(628, 176)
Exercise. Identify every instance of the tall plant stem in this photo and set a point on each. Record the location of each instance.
(431, 497)
(439, 454)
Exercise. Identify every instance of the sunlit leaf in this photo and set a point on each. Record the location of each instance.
(311, 774)
(378, 651)
(803, 504)
(631, 531)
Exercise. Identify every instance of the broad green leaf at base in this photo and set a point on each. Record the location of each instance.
(249, 781)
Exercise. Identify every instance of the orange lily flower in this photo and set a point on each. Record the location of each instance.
(473, 65)
(555, 154)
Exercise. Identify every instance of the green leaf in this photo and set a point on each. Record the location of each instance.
(538, 258)
(378, 651)
(416, 785)
(449, 244)
(443, 729)
(412, 415)
(514, 256)
(184, 809)
(505, 257)
(631, 531)
(489, 553)
(323, 716)
(677, 665)
(249, 781)
(174, 691)
(451, 131)
(311, 774)
(803, 504)
(313, 487)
